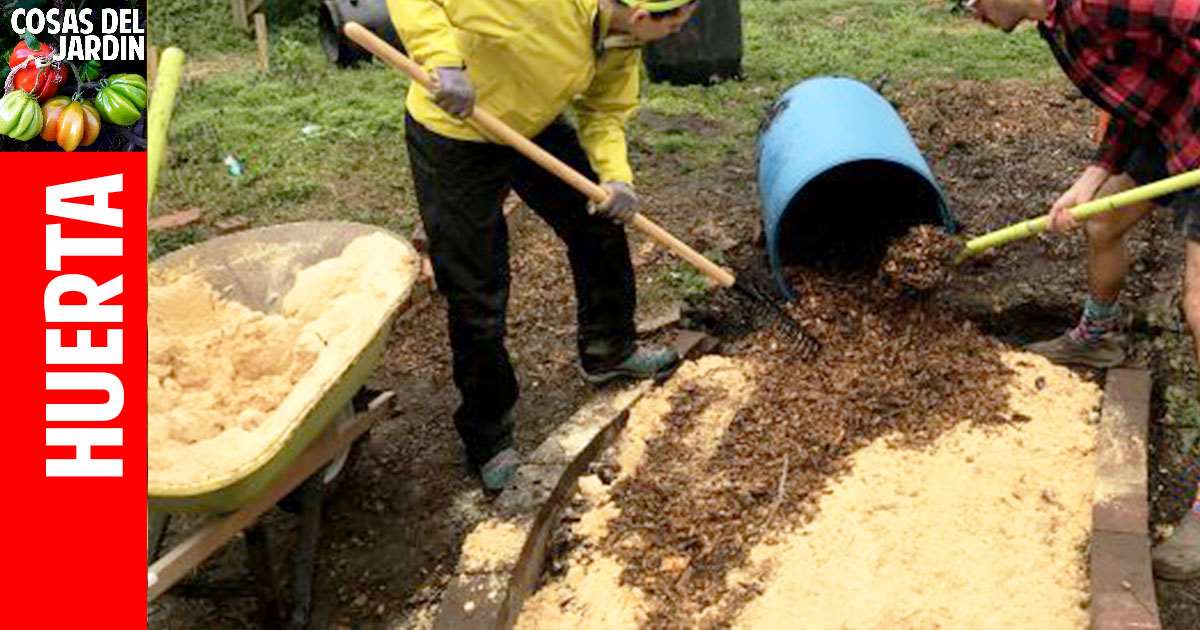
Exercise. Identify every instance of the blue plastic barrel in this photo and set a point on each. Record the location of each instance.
(837, 172)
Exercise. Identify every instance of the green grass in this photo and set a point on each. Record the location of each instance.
(317, 142)
(689, 283)
(351, 163)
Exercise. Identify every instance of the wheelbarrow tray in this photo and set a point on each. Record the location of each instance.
(257, 268)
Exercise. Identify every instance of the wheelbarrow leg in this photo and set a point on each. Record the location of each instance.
(259, 559)
(313, 495)
(156, 531)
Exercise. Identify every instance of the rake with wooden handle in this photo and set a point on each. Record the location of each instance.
(496, 129)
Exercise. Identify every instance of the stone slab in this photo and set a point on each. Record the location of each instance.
(1122, 580)
(565, 444)
(472, 602)
(531, 486)
(1122, 583)
(1121, 502)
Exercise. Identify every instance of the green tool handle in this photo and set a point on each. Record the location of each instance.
(1082, 212)
(158, 119)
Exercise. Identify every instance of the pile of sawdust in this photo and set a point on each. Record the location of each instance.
(984, 528)
(227, 383)
(492, 546)
(711, 474)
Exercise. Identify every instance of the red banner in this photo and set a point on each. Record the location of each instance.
(76, 443)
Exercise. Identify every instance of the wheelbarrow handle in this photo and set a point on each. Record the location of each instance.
(494, 128)
(1082, 212)
(158, 120)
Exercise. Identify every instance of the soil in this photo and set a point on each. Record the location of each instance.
(587, 586)
(1174, 465)
(1002, 151)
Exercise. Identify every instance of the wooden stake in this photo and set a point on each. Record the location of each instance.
(260, 33)
(239, 14)
(152, 66)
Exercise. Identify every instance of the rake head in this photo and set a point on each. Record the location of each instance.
(765, 305)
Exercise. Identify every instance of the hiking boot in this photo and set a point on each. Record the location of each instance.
(1108, 351)
(499, 470)
(1178, 557)
(656, 362)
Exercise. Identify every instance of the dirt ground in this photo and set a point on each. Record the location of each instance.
(392, 536)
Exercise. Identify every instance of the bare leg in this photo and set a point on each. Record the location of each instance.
(1090, 343)
(1108, 258)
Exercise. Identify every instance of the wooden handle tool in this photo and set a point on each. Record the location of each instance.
(496, 129)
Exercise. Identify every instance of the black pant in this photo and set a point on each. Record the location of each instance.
(461, 187)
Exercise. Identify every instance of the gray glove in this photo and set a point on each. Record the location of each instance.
(622, 202)
(455, 94)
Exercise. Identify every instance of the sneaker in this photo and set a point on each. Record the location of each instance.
(499, 470)
(1178, 557)
(655, 362)
(1108, 351)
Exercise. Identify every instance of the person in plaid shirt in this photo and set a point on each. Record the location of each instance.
(1139, 60)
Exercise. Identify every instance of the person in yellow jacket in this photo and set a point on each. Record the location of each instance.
(528, 62)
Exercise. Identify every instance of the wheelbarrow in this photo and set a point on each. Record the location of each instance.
(257, 268)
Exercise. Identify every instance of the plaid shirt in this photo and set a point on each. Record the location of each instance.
(1140, 61)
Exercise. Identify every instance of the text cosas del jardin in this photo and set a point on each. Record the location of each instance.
(114, 35)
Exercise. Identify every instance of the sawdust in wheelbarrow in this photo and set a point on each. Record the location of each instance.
(926, 466)
(225, 381)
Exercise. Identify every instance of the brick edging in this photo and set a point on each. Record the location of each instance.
(1122, 580)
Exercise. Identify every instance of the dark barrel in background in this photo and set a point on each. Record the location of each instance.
(332, 15)
(707, 50)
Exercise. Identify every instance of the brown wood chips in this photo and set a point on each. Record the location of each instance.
(921, 260)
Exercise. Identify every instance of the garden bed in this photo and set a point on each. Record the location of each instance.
(918, 468)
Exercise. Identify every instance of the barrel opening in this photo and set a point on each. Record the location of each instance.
(845, 217)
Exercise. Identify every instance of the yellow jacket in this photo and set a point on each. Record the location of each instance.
(528, 60)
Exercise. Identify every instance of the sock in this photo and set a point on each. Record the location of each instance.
(1098, 320)
(1099, 311)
